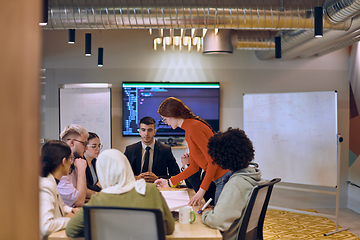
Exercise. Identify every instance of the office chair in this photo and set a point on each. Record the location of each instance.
(109, 223)
(252, 225)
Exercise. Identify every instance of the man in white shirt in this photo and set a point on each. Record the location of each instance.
(72, 187)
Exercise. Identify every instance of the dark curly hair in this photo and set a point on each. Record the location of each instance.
(231, 150)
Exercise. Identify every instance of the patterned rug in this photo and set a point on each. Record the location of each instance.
(288, 225)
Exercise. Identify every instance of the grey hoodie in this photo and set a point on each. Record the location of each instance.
(228, 212)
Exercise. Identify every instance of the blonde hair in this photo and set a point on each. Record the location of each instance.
(73, 129)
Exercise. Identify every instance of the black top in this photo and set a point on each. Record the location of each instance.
(90, 184)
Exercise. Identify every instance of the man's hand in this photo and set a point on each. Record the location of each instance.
(185, 159)
(80, 167)
(149, 177)
(80, 164)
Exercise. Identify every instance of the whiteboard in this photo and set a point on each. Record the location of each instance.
(88, 107)
(294, 135)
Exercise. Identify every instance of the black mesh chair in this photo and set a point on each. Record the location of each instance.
(109, 223)
(254, 214)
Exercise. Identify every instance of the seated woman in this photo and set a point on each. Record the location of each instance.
(120, 189)
(232, 150)
(55, 158)
(90, 155)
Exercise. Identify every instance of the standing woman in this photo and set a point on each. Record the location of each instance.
(197, 133)
(55, 158)
(91, 154)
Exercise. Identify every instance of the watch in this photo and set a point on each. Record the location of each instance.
(184, 167)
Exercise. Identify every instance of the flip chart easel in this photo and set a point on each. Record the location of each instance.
(337, 194)
(295, 138)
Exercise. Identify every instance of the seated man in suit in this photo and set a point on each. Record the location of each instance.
(149, 158)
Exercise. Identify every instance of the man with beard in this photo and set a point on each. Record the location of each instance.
(72, 188)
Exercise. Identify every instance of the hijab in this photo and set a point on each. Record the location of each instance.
(116, 175)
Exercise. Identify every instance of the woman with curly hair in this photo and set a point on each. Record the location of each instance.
(197, 133)
(232, 150)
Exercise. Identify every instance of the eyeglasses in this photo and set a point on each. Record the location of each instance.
(164, 120)
(94, 146)
(83, 143)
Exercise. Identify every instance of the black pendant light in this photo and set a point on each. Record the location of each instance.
(100, 57)
(71, 36)
(44, 20)
(278, 47)
(88, 44)
(318, 22)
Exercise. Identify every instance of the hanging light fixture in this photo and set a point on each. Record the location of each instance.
(44, 21)
(204, 32)
(100, 57)
(167, 38)
(318, 22)
(278, 47)
(179, 38)
(71, 36)
(188, 38)
(88, 44)
(156, 42)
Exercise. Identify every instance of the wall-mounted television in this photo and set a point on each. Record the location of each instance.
(140, 99)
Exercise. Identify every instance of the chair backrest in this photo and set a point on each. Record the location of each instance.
(252, 225)
(109, 223)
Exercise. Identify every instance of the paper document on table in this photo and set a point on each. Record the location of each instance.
(176, 199)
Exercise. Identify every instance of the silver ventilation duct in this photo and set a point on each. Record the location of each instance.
(174, 14)
(339, 46)
(271, 15)
(335, 11)
(253, 40)
(338, 41)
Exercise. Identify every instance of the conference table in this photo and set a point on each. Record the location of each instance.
(194, 231)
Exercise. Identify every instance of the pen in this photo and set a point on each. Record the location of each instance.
(206, 204)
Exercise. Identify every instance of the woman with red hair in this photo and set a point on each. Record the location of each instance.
(197, 133)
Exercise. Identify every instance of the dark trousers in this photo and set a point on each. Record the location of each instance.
(194, 182)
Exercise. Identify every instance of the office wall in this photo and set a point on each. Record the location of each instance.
(354, 136)
(128, 56)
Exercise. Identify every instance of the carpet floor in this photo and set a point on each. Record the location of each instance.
(288, 225)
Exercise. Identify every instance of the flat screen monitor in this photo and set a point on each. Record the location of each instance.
(141, 99)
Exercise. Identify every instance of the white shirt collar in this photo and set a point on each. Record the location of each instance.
(151, 145)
